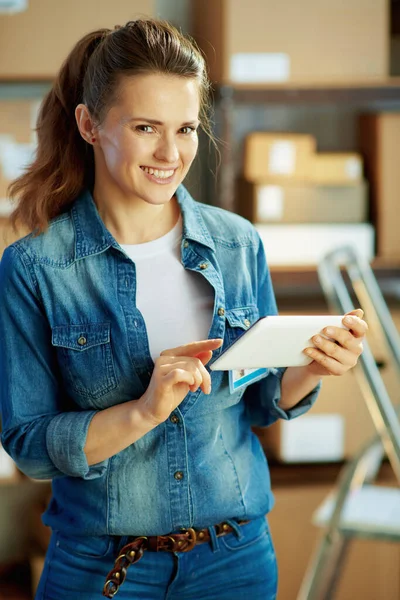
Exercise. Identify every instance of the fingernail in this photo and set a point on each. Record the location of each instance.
(349, 320)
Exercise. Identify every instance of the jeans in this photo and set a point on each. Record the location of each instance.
(237, 566)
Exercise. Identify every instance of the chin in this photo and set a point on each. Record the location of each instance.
(160, 197)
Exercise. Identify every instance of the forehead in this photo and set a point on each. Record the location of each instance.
(163, 97)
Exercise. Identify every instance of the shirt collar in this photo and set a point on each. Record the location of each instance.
(92, 236)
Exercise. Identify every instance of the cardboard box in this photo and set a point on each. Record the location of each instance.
(263, 41)
(303, 244)
(371, 569)
(333, 430)
(36, 566)
(35, 42)
(8, 235)
(337, 168)
(339, 423)
(302, 203)
(8, 469)
(17, 148)
(278, 156)
(17, 142)
(380, 146)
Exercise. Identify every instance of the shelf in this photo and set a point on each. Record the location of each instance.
(354, 92)
(302, 281)
(292, 475)
(380, 267)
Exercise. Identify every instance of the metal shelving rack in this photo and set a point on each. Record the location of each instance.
(374, 95)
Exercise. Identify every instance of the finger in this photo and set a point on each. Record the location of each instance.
(205, 357)
(193, 348)
(176, 376)
(206, 384)
(358, 312)
(343, 337)
(342, 355)
(330, 364)
(357, 326)
(201, 377)
(193, 377)
(205, 380)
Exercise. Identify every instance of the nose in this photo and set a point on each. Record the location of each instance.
(167, 150)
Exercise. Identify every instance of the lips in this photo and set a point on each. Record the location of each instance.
(159, 173)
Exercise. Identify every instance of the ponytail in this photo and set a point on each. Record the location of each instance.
(64, 162)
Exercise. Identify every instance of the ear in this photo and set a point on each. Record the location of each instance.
(85, 123)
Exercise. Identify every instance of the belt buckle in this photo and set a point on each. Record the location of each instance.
(192, 539)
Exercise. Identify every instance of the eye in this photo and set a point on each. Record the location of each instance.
(144, 128)
(187, 130)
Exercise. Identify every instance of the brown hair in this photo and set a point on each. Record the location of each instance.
(64, 162)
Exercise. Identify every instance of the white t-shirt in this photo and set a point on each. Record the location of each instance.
(176, 304)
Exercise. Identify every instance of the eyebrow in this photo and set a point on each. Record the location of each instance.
(155, 122)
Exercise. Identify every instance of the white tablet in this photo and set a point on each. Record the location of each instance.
(276, 341)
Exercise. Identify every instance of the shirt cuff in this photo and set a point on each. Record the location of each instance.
(300, 408)
(65, 439)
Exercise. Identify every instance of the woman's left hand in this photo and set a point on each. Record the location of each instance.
(338, 356)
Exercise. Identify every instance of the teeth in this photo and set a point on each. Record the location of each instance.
(158, 173)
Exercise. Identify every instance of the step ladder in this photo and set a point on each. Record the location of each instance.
(358, 508)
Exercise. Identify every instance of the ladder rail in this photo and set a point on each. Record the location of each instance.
(378, 401)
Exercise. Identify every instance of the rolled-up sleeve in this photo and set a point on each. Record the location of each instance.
(40, 431)
(262, 397)
(262, 400)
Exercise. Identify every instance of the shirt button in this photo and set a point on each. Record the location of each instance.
(82, 340)
(221, 312)
(185, 244)
(178, 475)
(174, 419)
(247, 322)
(203, 266)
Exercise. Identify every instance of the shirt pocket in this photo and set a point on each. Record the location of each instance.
(86, 360)
(238, 321)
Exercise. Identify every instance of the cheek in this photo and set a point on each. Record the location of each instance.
(119, 154)
(189, 151)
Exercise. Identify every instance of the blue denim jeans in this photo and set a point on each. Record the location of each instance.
(238, 566)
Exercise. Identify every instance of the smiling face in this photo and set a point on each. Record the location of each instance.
(148, 139)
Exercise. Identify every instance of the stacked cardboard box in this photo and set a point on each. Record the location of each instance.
(380, 144)
(303, 203)
(17, 148)
(35, 42)
(263, 41)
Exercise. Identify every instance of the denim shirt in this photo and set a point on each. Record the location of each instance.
(73, 343)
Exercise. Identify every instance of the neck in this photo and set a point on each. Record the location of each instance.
(135, 222)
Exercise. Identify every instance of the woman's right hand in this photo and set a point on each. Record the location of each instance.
(176, 372)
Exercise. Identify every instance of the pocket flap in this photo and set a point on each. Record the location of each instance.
(81, 337)
(242, 317)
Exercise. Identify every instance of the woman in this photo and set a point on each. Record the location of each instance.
(110, 313)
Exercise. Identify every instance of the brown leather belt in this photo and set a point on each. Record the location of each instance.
(174, 542)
